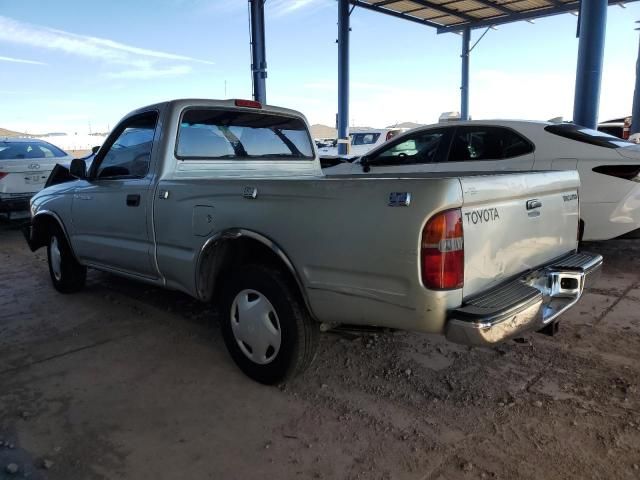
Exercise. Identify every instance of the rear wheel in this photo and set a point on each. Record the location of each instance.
(266, 327)
(67, 274)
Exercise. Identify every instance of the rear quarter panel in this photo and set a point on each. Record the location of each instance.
(357, 257)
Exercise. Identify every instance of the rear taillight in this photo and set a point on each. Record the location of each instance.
(442, 251)
(627, 172)
(248, 103)
(3, 174)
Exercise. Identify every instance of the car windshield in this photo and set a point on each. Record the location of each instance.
(222, 134)
(28, 150)
(587, 135)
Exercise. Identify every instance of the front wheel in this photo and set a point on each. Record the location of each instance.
(67, 274)
(266, 327)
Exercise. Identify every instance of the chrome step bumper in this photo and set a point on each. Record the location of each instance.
(528, 303)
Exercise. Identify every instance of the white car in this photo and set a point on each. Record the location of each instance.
(25, 165)
(363, 140)
(609, 167)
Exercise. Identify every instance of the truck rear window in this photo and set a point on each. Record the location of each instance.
(211, 134)
(586, 135)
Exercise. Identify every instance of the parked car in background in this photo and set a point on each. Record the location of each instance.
(618, 127)
(225, 200)
(325, 142)
(25, 165)
(609, 167)
(362, 141)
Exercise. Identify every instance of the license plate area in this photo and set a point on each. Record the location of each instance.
(34, 179)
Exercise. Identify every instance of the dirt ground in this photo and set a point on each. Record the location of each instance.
(127, 381)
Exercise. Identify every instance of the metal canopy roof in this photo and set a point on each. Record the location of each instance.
(455, 15)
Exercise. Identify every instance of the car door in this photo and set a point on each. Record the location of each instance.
(488, 148)
(416, 152)
(111, 208)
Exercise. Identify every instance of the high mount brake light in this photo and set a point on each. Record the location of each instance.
(442, 251)
(626, 172)
(248, 103)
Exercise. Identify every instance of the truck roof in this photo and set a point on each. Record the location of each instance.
(181, 103)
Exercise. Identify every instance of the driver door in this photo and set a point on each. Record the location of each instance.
(111, 208)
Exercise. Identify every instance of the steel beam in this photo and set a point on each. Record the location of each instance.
(464, 86)
(258, 51)
(635, 113)
(593, 21)
(343, 75)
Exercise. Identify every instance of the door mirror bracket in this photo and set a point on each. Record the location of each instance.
(364, 162)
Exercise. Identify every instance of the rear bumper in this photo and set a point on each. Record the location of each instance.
(528, 303)
(14, 204)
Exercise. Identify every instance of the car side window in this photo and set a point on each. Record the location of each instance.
(471, 143)
(421, 147)
(129, 156)
(364, 138)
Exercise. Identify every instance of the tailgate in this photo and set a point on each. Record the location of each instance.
(516, 222)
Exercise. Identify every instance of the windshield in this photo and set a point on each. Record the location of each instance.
(223, 134)
(587, 135)
(28, 150)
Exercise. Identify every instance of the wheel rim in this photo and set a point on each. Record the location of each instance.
(256, 326)
(55, 258)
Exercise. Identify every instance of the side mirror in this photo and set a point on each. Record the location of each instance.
(78, 168)
(95, 149)
(364, 162)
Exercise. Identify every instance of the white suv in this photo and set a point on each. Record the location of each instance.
(25, 165)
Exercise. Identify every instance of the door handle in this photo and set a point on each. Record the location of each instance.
(534, 203)
(133, 200)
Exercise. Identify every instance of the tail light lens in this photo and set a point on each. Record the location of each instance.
(3, 174)
(248, 103)
(627, 172)
(442, 251)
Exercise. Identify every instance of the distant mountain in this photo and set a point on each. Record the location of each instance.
(10, 133)
(323, 131)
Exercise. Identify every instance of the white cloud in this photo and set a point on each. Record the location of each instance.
(152, 72)
(280, 8)
(144, 63)
(20, 60)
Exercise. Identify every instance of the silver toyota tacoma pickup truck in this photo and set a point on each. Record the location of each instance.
(226, 201)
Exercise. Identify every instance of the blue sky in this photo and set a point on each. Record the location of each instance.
(71, 63)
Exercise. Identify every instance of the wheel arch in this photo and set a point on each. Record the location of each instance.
(40, 230)
(235, 246)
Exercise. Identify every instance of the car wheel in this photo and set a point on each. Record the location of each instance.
(67, 274)
(266, 326)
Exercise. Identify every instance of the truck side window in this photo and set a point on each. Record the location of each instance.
(421, 147)
(487, 143)
(130, 154)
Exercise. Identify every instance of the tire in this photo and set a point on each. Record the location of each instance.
(67, 275)
(266, 326)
